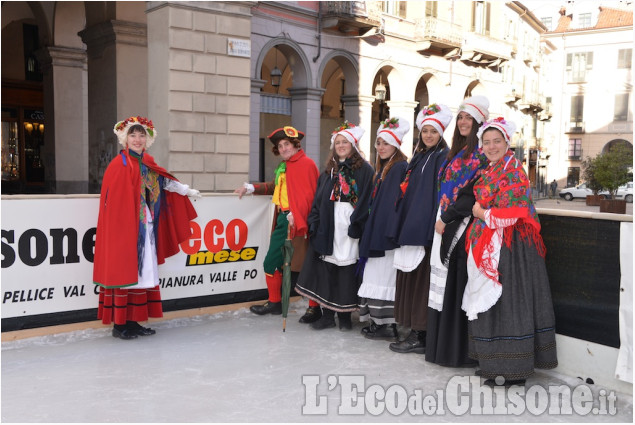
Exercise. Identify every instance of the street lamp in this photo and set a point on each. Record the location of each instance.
(380, 91)
(276, 74)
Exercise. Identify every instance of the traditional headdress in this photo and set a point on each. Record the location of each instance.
(122, 127)
(508, 128)
(477, 107)
(435, 115)
(286, 132)
(393, 130)
(351, 132)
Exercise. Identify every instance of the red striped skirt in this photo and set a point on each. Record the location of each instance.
(120, 305)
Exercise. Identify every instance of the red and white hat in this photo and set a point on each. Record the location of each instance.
(435, 115)
(477, 107)
(393, 130)
(351, 132)
(507, 128)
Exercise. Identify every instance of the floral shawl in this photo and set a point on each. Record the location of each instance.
(504, 189)
(344, 185)
(456, 173)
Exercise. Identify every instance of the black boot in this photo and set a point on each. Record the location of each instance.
(504, 382)
(311, 315)
(370, 328)
(414, 343)
(266, 308)
(345, 321)
(384, 332)
(326, 321)
(137, 329)
(121, 331)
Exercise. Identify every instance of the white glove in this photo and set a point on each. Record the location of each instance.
(250, 188)
(193, 193)
(290, 219)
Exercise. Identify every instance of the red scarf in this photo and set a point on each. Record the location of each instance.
(504, 189)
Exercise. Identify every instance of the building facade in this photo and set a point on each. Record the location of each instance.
(591, 87)
(216, 77)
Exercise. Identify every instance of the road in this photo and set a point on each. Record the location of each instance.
(576, 204)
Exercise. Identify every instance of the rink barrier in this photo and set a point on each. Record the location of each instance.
(583, 264)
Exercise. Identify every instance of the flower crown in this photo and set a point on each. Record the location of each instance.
(391, 123)
(345, 125)
(122, 127)
(136, 120)
(431, 109)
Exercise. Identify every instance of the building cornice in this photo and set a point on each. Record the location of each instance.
(527, 16)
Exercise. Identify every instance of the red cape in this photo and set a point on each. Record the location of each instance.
(302, 176)
(116, 263)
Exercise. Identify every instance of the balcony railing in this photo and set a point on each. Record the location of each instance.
(532, 102)
(351, 15)
(362, 9)
(487, 46)
(438, 30)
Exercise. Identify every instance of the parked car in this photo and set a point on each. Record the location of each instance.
(579, 191)
(625, 192)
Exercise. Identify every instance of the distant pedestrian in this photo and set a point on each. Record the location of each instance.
(553, 185)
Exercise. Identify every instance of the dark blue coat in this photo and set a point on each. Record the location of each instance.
(374, 242)
(415, 213)
(321, 217)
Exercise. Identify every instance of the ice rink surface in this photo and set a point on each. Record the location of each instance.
(238, 367)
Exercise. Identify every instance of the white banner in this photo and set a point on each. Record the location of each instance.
(48, 247)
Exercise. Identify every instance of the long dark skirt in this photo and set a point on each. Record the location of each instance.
(518, 332)
(446, 338)
(331, 286)
(381, 312)
(411, 295)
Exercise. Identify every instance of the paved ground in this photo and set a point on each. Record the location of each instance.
(237, 367)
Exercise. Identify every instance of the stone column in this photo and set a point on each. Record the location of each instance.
(358, 109)
(65, 151)
(405, 109)
(254, 131)
(200, 89)
(305, 116)
(117, 88)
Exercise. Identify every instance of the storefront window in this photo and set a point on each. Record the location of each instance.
(22, 141)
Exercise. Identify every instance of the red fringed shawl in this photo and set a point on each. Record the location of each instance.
(503, 189)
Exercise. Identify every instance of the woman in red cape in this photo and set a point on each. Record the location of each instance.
(144, 213)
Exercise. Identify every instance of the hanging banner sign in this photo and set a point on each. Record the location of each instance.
(48, 249)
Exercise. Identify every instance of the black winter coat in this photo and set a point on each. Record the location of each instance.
(321, 217)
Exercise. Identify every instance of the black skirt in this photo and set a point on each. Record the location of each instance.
(446, 338)
(333, 287)
(518, 333)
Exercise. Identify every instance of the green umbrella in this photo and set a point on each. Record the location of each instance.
(286, 276)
